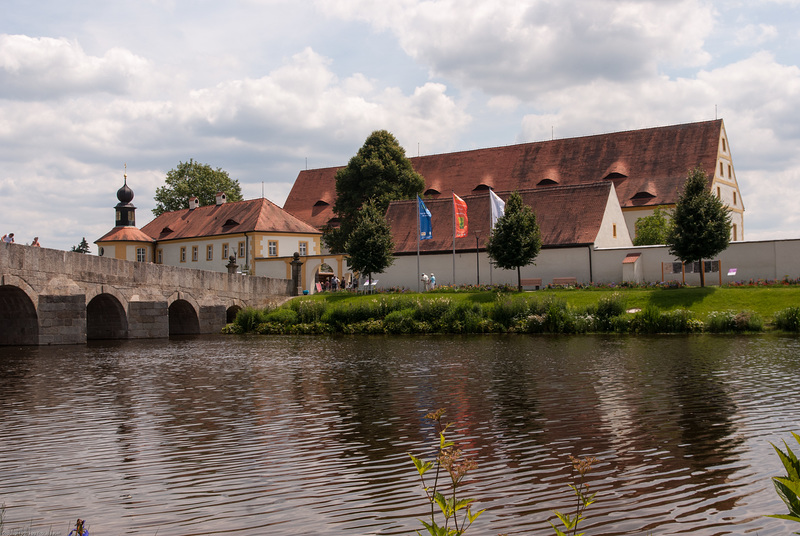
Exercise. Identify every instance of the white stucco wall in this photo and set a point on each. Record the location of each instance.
(753, 260)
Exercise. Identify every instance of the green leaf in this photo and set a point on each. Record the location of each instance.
(472, 517)
(421, 466)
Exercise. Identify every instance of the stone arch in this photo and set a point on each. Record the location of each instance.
(18, 317)
(106, 318)
(232, 310)
(184, 317)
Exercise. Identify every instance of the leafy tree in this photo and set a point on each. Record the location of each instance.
(194, 179)
(701, 224)
(370, 245)
(515, 240)
(652, 229)
(83, 247)
(379, 172)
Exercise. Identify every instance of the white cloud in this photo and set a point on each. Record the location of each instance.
(756, 34)
(512, 47)
(43, 68)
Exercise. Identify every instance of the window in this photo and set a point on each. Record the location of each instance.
(183, 254)
(723, 145)
(303, 249)
(160, 256)
(734, 231)
(225, 252)
(734, 198)
(730, 172)
(718, 193)
(194, 253)
(721, 170)
(241, 250)
(209, 252)
(614, 230)
(141, 254)
(272, 248)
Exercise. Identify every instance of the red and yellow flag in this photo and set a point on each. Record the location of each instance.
(460, 212)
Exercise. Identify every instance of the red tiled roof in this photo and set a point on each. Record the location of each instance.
(562, 221)
(124, 234)
(648, 168)
(631, 258)
(227, 218)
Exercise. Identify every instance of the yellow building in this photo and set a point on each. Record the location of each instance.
(256, 235)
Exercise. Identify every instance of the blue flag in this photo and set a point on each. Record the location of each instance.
(425, 230)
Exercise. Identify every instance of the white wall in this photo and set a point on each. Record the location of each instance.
(753, 260)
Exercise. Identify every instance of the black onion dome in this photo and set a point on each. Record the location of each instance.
(125, 194)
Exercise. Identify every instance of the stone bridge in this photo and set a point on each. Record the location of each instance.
(50, 296)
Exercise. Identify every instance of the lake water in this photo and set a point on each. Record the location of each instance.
(310, 435)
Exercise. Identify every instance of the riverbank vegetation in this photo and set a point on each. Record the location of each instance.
(726, 309)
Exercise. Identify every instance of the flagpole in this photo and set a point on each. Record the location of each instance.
(419, 230)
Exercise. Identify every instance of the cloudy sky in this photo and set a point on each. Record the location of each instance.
(266, 88)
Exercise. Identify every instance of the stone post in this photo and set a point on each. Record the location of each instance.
(297, 264)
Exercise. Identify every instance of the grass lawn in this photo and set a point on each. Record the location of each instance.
(764, 300)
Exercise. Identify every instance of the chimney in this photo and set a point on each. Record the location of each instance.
(193, 203)
(221, 198)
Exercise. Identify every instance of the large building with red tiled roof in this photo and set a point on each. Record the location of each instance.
(646, 167)
(596, 221)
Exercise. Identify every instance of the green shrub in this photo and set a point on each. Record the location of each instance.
(431, 310)
(728, 321)
(461, 317)
(608, 308)
(648, 320)
(249, 318)
(287, 317)
(788, 319)
(680, 321)
(400, 321)
(507, 310)
(308, 311)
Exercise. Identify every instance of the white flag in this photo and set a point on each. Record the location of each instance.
(498, 207)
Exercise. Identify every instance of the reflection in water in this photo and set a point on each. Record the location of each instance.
(309, 435)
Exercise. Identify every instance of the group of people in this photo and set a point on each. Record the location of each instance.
(334, 283)
(429, 282)
(9, 239)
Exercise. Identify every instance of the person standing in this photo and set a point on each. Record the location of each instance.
(35, 242)
(433, 281)
(425, 281)
(9, 238)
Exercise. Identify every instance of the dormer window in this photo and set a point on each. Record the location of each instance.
(546, 182)
(321, 203)
(643, 196)
(615, 175)
(166, 230)
(230, 222)
(481, 187)
(432, 192)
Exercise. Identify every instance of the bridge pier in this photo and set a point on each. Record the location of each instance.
(62, 319)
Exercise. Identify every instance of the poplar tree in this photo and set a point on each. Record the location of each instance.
(701, 224)
(515, 240)
(370, 246)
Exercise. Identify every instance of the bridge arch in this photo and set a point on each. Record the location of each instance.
(233, 309)
(106, 318)
(18, 318)
(184, 316)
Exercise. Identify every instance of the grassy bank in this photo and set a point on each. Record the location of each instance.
(592, 310)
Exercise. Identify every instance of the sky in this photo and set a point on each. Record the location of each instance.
(263, 89)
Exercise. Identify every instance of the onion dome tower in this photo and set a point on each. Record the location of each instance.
(126, 212)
